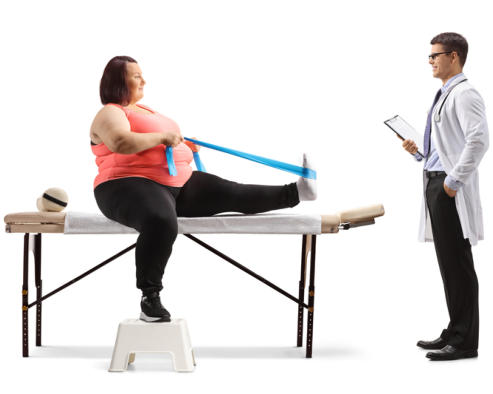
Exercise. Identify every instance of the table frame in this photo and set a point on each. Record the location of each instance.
(32, 243)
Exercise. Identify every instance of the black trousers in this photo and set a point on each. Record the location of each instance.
(456, 267)
(152, 210)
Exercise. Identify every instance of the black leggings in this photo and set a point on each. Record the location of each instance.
(152, 210)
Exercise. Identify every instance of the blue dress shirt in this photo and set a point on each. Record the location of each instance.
(432, 162)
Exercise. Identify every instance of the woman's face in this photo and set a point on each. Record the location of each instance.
(135, 82)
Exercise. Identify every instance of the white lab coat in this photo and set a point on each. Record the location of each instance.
(460, 136)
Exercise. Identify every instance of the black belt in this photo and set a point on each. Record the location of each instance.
(432, 174)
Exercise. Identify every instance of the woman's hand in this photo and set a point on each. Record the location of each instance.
(192, 146)
(172, 138)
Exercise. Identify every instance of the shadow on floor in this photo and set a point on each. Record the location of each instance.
(212, 352)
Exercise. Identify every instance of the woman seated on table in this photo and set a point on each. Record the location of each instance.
(134, 187)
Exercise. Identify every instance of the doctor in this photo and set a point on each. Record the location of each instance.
(456, 139)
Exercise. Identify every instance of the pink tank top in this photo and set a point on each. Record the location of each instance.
(150, 163)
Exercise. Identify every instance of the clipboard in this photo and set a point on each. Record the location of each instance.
(405, 132)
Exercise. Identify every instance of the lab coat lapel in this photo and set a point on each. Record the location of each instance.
(444, 95)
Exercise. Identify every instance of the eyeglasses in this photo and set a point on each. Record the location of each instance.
(434, 55)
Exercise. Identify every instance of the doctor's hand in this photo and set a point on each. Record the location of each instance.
(410, 146)
(450, 192)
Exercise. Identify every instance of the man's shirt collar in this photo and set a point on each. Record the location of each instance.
(446, 86)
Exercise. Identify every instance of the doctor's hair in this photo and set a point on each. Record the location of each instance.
(453, 42)
(113, 87)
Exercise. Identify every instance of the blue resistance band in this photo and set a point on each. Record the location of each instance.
(198, 162)
(300, 171)
(171, 162)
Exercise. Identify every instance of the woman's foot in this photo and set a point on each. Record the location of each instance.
(153, 310)
(307, 188)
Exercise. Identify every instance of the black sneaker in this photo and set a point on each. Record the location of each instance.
(153, 310)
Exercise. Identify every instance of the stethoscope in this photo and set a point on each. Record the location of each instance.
(439, 113)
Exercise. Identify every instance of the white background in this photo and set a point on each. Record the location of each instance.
(275, 78)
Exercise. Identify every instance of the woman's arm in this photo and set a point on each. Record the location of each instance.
(112, 127)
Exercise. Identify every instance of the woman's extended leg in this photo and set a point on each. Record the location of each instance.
(206, 194)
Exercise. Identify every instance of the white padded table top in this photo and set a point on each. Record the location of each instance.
(74, 222)
(94, 223)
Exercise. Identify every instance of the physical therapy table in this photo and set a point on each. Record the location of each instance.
(34, 224)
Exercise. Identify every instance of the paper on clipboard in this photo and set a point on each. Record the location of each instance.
(405, 131)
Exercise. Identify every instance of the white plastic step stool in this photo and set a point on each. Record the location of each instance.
(139, 336)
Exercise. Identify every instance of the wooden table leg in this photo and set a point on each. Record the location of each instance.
(38, 283)
(311, 300)
(305, 249)
(25, 285)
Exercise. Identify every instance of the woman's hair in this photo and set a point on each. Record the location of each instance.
(113, 87)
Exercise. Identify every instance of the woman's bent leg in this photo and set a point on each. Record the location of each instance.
(149, 208)
(206, 194)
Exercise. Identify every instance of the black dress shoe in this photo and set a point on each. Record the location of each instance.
(451, 353)
(436, 344)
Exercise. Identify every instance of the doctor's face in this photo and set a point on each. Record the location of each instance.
(441, 63)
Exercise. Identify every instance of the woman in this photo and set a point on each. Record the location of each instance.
(134, 187)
